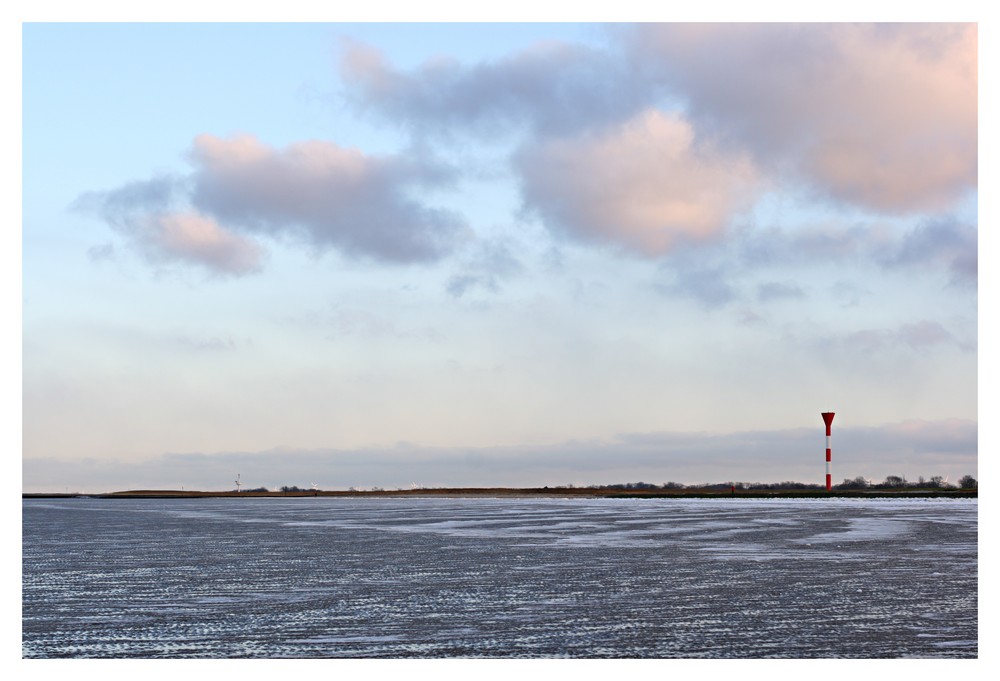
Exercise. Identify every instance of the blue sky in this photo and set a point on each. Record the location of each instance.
(496, 254)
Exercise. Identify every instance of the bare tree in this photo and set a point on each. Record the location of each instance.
(968, 482)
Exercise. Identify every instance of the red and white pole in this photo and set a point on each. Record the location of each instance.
(828, 420)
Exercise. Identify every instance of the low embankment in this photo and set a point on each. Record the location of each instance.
(560, 492)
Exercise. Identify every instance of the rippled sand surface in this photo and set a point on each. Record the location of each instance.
(499, 578)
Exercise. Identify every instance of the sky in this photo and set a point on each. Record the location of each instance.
(392, 254)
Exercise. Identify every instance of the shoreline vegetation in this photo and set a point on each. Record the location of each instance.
(529, 492)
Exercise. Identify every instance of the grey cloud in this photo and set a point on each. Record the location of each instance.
(776, 290)
(327, 196)
(550, 87)
(711, 273)
(941, 242)
(873, 451)
(831, 244)
(460, 284)
(911, 448)
(119, 206)
(498, 258)
(823, 243)
(708, 286)
(748, 317)
(150, 216)
(493, 262)
(101, 252)
(315, 194)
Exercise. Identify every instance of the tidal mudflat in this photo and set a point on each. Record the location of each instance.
(499, 578)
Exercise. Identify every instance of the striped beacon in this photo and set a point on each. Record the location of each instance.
(828, 420)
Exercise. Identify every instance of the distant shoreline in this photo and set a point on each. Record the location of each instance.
(532, 492)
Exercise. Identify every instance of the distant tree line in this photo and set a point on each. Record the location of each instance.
(860, 482)
(900, 482)
(890, 482)
(788, 484)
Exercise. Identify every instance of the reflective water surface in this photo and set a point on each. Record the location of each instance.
(498, 578)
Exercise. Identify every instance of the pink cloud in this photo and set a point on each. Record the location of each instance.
(646, 184)
(881, 115)
(194, 238)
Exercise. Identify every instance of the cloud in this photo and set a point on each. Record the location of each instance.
(492, 263)
(812, 243)
(748, 317)
(923, 334)
(881, 116)
(119, 206)
(325, 195)
(946, 447)
(919, 335)
(101, 252)
(196, 239)
(941, 242)
(647, 185)
(313, 193)
(777, 290)
(147, 214)
(884, 116)
(547, 88)
(658, 138)
(460, 284)
(707, 285)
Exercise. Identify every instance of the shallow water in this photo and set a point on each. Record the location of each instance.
(434, 577)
